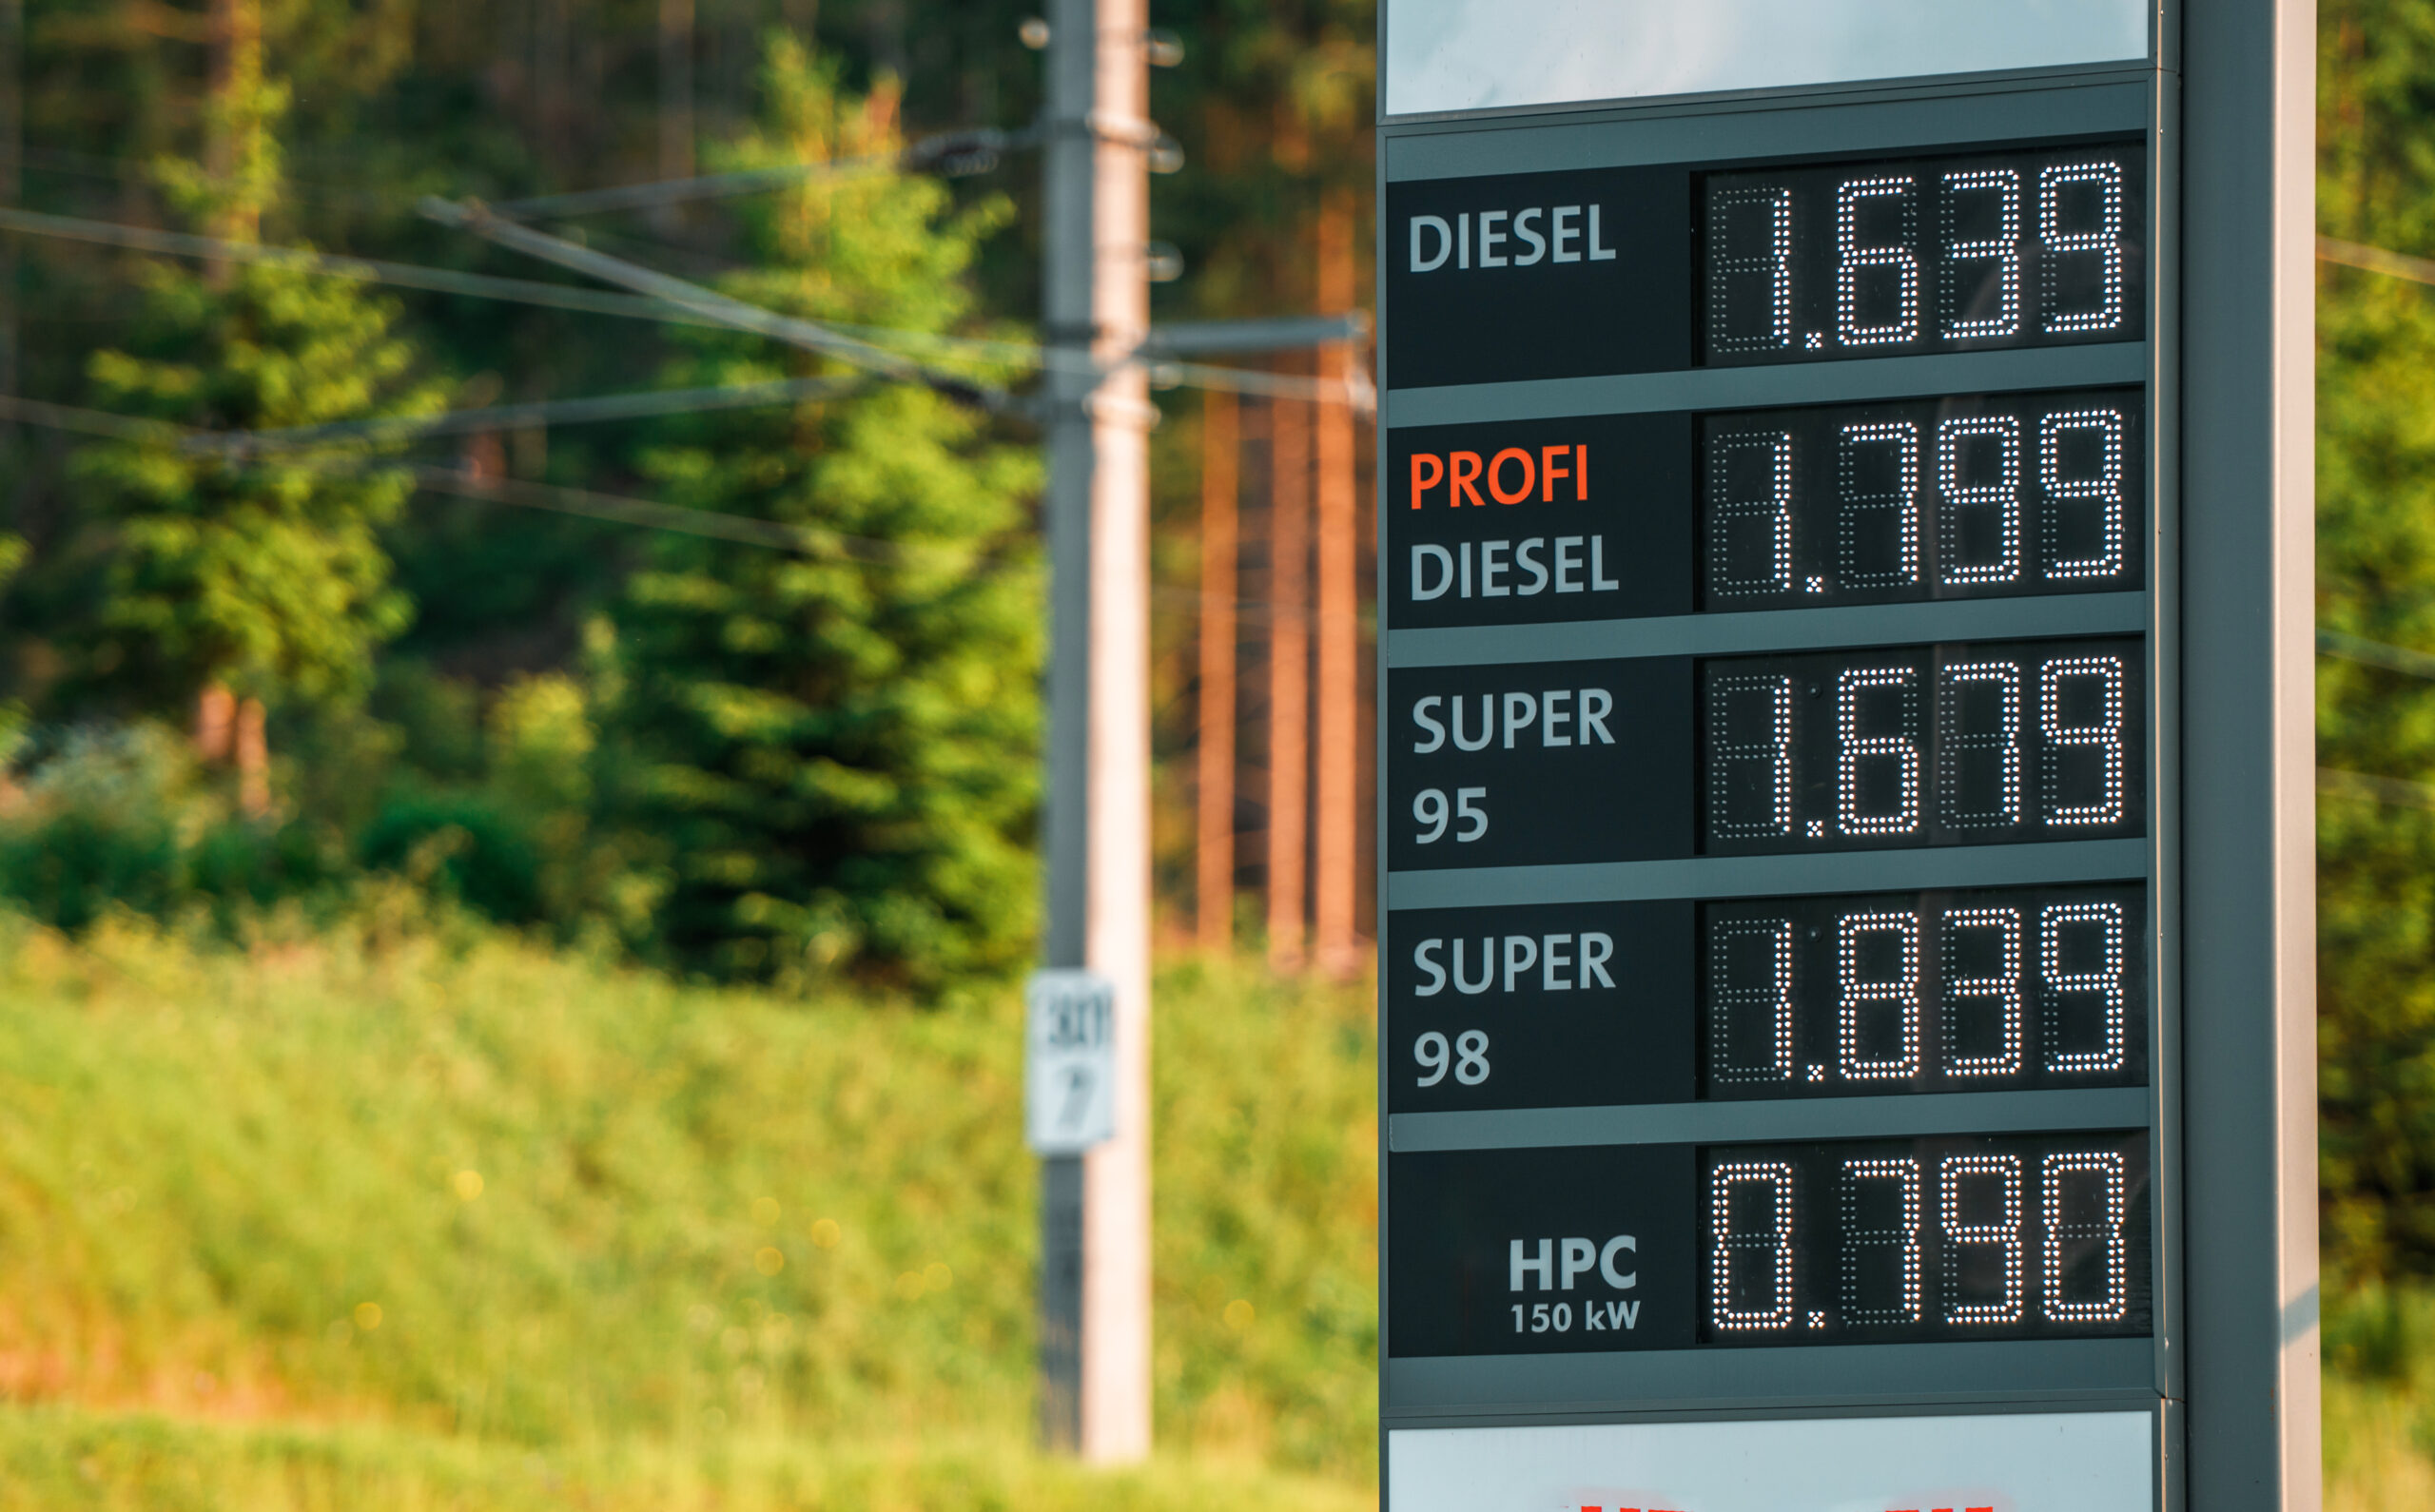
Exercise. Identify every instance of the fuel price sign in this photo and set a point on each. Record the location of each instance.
(1800, 721)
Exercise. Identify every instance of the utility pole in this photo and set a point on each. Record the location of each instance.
(1095, 1283)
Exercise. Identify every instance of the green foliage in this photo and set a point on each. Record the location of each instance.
(266, 574)
(2376, 580)
(119, 818)
(837, 747)
(640, 1229)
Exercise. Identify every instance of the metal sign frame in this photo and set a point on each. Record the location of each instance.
(2230, 1373)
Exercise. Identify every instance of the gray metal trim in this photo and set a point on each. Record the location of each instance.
(1705, 1380)
(1971, 619)
(1981, 1404)
(1767, 876)
(1877, 114)
(1746, 388)
(1771, 1121)
(2248, 956)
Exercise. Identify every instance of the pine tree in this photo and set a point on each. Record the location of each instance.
(233, 581)
(2376, 581)
(838, 745)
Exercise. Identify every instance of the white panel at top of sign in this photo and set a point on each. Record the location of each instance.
(1505, 54)
(2042, 1462)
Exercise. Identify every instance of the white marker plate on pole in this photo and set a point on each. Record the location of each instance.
(1069, 1061)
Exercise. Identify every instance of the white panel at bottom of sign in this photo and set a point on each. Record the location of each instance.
(2046, 1462)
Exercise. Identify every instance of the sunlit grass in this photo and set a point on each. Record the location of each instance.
(433, 1203)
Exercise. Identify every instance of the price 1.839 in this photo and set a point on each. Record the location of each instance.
(2000, 989)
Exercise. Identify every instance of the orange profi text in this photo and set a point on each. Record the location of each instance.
(1508, 476)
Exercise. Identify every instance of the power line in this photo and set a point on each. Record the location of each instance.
(543, 412)
(298, 260)
(952, 152)
(2375, 653)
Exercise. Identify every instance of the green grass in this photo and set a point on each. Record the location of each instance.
(722, 1249)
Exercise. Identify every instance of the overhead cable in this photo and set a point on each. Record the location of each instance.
(714, 306)
(298, 260)
(951, 153)
(401, 428)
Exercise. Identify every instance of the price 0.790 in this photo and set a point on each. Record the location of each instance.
(2031, 1236)
(1923, 746)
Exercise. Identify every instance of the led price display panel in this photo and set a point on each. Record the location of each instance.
(2008, 1237)
(1928, 745)
(1994, 988)
(1622, 1248)
(1977, 497)
(1887, 259)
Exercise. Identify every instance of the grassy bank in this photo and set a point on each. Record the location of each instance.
(433, 1206)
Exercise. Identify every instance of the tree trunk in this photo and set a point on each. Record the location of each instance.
(253, 760)
(215, 723)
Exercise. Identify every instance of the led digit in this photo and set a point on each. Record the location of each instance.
(2086, 1206)
(1999, 989)
(1864, 981)
(1979, 1211)
(1877, 473)
(2068, 494)
(1750, 529)
(1980, 502)
(2059, 927)
(2102, 241)
(1751, 971)
(1981, 755)
(1882, 1264)
(2072, 732)
(1963, 192)
(1750, 768)
(1737, 213)
(1860, 754)
(1854, 260)
(1751, 1207)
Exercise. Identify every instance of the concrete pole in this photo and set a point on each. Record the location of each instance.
(1095, 1341)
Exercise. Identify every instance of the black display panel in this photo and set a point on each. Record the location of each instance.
(1495, 277)
(1956, 744)
(1555, 1006)
(1962, 498)
(1608, 1248)
(1988, 990)
(2024, 1236)
(1539, 763)
(2035, 247)
(1615, 1225)
(1538, 520)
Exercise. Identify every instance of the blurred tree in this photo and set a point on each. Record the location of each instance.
(837, 747)
(233, 579)
(2376, 580)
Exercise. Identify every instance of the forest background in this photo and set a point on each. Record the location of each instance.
(316, 763)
